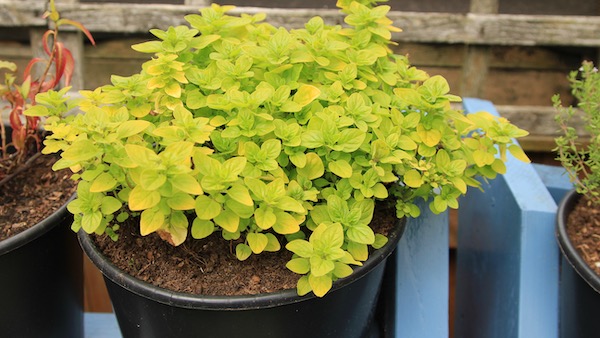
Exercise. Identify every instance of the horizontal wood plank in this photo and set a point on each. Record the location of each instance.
(471, 28)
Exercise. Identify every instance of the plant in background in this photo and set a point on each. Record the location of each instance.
(579, 156)
(259, 133)
(57, 65)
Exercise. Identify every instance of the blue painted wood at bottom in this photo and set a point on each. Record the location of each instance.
(101, 325)
(507, 262)
(421, 273)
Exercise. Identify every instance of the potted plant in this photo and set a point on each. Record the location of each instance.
(41, 285)
(577, 218)
(270, 144)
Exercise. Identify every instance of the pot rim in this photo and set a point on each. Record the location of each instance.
(566, 205)
(241, 302)
(34, 232)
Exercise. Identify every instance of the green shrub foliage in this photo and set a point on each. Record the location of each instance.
(252, 131)
(578, 154)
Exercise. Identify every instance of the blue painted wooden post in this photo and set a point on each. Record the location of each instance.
(507, 265)
(421, 272)
(555, 179)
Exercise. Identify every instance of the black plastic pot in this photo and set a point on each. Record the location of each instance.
(347, 311)
(41, 281)
(579, 284)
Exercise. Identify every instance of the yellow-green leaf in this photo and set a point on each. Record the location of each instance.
(360, 252)
(173, 89)
(342, 270)
(430, 137)
(110, 205)
(306, 94)
(103, 182)
(320, 285)
(141, 199)
(459, 184)
(314, 167)
(413, 179)
(131, 127)
(202, 228)
(151, 179)
(242, 251)
(257, 242)
(408, 95)
(287, 203)
(303, 287)
(380, 241)
(175, 235)
(273, 244)
(228, 220)
(90, 222)
(81, 150)
(186, 183)
(140, 155)
(341, 168)
(499, 166)
(320, 266)
(518, 153)
(181, 201)
(239, 193)
(483, 158)
(150, 221)
(286, 224)
(37, 110)
(264, 218)
(148, 47)
(207, 208)
(299, 265)
(380, 191)
(141, 110)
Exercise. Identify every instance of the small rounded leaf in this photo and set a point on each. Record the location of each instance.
(202, 228)
(299, 265)
(242, 251)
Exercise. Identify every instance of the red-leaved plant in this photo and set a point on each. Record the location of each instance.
(58, 65)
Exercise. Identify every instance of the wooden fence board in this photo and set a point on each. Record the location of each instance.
(470, 28)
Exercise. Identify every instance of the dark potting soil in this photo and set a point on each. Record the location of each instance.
(207, 266)
(583, 228)
(32, 195)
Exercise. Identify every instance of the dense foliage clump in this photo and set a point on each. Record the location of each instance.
(257, 132)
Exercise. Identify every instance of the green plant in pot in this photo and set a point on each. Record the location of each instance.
(578, 150)
(271, 140)
(36, 243)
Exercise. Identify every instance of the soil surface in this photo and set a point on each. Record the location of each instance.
(583, 228)
(206, 266)
(33, 195)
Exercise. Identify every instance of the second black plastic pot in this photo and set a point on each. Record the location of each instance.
(41, 281)
(579, 303)
(144, 310)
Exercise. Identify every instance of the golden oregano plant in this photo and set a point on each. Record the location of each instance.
(55, 68)
(255, 132)
(579, 154)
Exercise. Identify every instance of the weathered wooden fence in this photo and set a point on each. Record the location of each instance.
(512, 53)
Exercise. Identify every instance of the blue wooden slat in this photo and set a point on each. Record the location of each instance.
(421, 273)
(507, 267)
(101, 325)
(555, 179)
